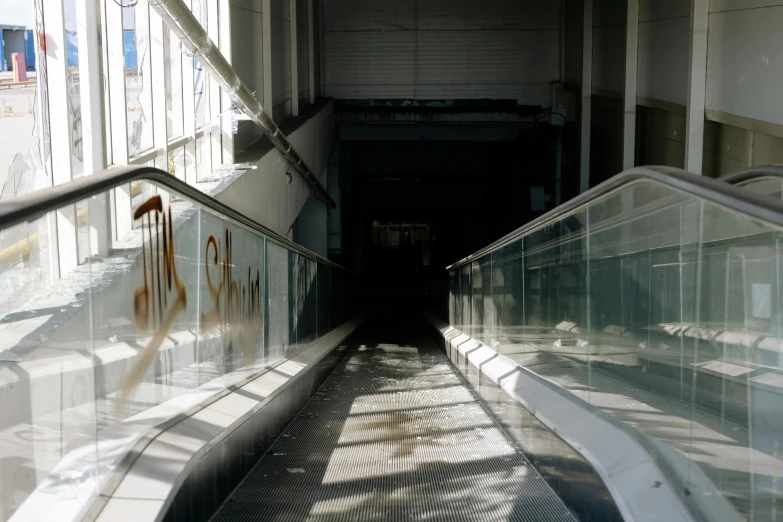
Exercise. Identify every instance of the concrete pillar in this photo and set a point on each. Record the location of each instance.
(587, 97)
(266, 15)
(311, 48)
(697, 86)
(294, 58)
(629, 93)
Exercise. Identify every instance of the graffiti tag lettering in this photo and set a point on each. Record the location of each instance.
(161, 285)
(162, 297)
(236, 311)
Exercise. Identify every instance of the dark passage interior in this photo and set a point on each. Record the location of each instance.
(419, 195)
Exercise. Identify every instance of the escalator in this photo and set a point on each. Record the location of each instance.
(394, 434)
(617, 358)
(655, 303)
(766, 180)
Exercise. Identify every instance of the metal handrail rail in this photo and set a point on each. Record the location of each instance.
(756, 206)
(37, 204)
(764, 171)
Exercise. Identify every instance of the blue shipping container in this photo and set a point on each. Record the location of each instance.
(30, 49)
(131, 56)
(72, 48)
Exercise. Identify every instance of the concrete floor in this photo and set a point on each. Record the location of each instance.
(16, 125)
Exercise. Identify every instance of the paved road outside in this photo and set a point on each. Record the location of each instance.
(16, 125)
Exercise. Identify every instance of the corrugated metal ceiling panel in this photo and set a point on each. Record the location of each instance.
(441, 49)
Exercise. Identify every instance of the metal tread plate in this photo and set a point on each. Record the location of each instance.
(394, 434)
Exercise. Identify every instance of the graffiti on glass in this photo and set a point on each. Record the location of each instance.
(236, 304)
(162, 297)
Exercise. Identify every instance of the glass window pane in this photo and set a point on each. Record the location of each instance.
(174, 86)
(48, 413)
(200, 92)
(138, 77)
(305, 299)
(507, 296)
(323, 295)
(22, 169)
(279, 300)
(203, 158)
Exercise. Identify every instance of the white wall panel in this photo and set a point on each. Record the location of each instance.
(663, 59)
(441, 49)
(744, 68)
(718, 6)
(369, 64)
(466, 15)
(369, 15)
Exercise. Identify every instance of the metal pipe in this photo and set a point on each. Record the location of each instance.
(197, 43)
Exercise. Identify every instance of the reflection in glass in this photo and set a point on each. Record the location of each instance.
(660, 309)
(768, 186)
(138, 80)
(173, 59)
(203, 158)
(24, 121)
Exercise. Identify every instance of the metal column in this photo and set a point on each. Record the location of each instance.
(697, 86)
(629, 96)
(587, 97)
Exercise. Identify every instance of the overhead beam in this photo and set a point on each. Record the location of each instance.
(587, 97)
(697, 86)
(629, 93)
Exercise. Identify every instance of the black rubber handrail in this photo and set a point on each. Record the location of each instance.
(718, 192)
(765, 171)
(37, 204)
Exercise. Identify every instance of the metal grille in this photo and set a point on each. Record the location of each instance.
(394, 434)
